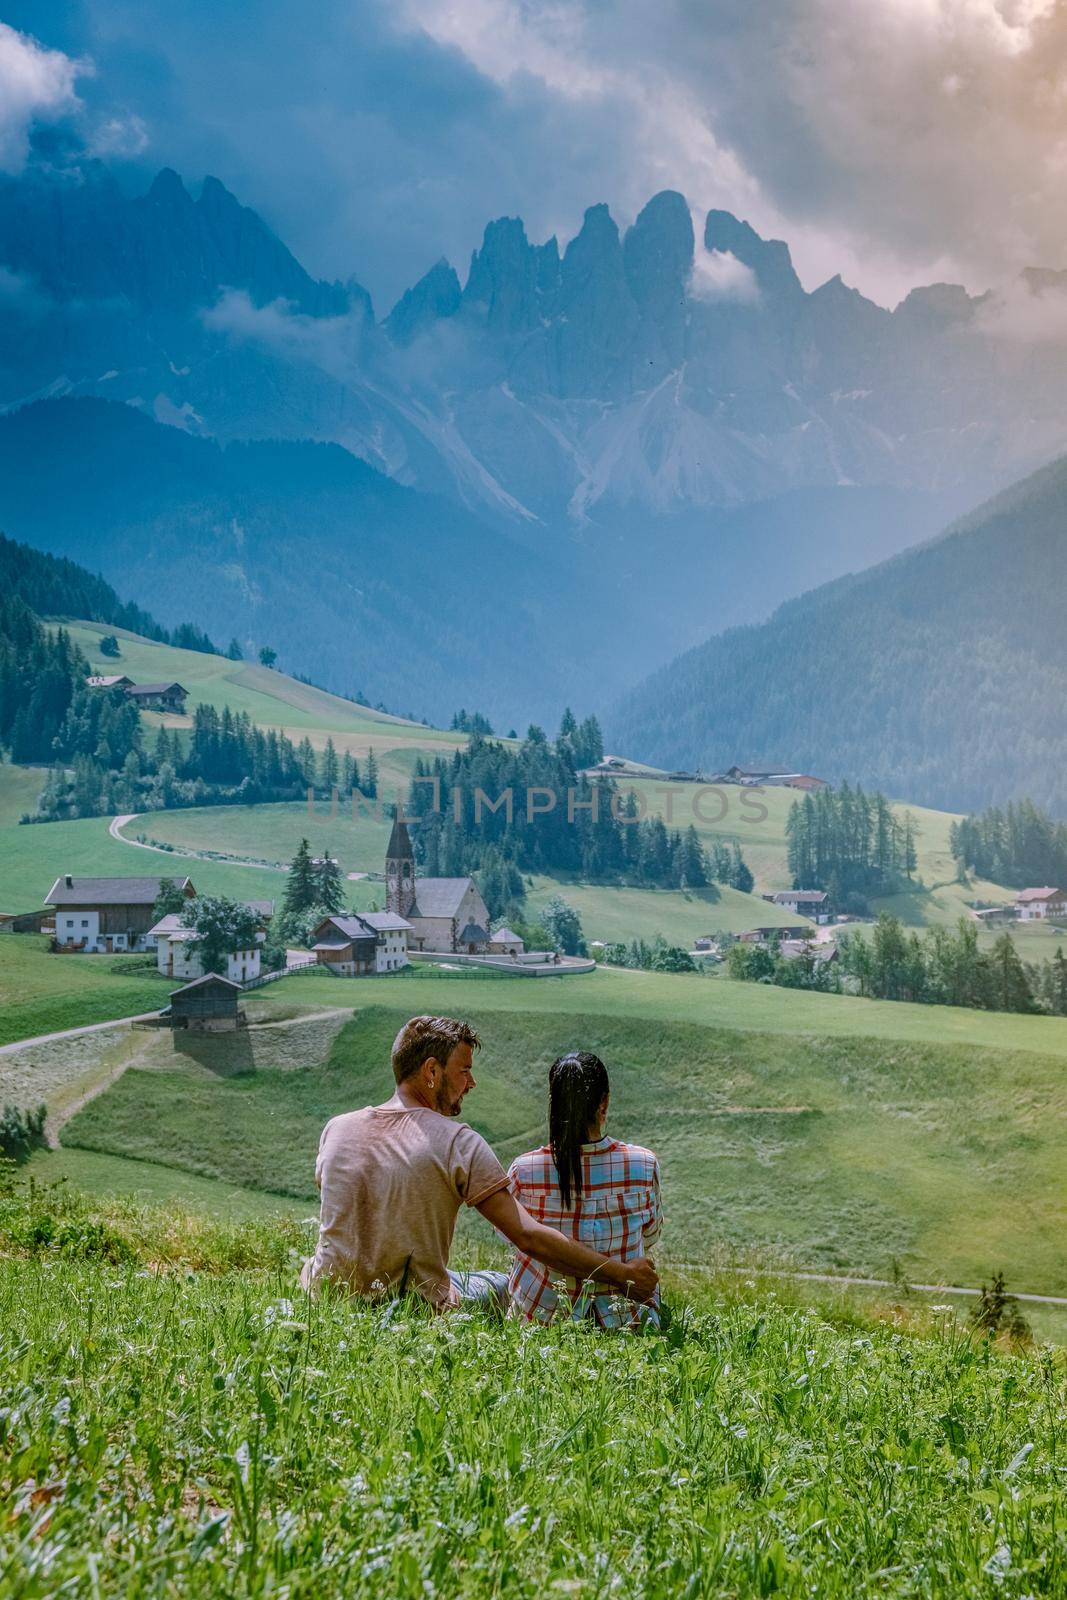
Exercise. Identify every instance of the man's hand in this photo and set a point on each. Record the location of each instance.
(636, 1280)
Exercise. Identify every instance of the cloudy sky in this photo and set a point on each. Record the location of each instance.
(893, 141)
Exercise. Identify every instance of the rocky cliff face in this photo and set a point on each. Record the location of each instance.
(652, 371)
(664, 417)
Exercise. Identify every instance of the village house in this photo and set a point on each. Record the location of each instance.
(361, 944)
(175, 958)
(1041, 905)
(813, 903)
(158, 696)
(762, 935)
(446, 915)
(107, 914)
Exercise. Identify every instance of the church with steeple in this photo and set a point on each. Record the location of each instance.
(446, 914)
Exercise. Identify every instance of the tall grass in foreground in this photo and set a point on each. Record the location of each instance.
(165, 1432)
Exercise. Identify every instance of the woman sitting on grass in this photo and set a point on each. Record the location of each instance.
(589, 1187)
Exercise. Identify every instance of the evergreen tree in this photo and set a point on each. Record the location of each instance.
(1058, 985)
(329, 771)
(301, 886)
(370, 776)
(305, 756)
(234, 651)
(1010, 986)
(329, 884)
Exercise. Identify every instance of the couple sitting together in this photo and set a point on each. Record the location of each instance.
(584, 1208)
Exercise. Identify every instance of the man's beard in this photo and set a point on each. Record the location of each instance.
(446, 1106)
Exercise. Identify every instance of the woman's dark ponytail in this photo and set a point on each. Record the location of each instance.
(577, 1085)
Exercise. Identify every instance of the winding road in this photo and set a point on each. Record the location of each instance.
(118, 823)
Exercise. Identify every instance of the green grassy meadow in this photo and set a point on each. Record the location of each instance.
(847, 1155)
(42, 993)
(212, 1432)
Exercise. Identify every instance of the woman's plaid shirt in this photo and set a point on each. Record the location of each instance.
(618, 1213)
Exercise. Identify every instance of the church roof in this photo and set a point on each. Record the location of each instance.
(439, 897)
(399, 841)
(505, 936)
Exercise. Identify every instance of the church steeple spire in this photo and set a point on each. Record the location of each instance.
(399, 869)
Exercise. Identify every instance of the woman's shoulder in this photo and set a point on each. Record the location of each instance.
(640, 1160)
(533, 1166)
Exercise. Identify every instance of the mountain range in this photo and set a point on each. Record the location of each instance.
(650, 435)
(940, 674)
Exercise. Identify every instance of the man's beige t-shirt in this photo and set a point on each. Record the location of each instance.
(392, 1180)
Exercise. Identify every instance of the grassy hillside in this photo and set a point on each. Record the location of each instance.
(272, 699)
(840, 1155)
(296, 544)
(40, 993)
(941, 673)
(226, 1436)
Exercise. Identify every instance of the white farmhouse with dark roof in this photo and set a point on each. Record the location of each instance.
(813, 903)
(175, 958)
(445, 914)
(362, 943)
(107, 914)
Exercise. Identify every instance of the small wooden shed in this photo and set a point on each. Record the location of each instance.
(207, 1004)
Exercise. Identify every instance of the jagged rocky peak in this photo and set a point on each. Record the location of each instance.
(595, 245)
(768, 259)
(506, 277)
(436, 295)
(167, 189)
(658, 254)
(936, 303)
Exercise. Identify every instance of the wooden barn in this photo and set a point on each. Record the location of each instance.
(207, 1005)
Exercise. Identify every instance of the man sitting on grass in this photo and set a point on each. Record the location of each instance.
(393, 1177)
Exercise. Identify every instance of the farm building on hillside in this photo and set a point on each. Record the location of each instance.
(793, 949)
(446, 915)
(775, 778)
(992, 915)
(363, 944)
(107, 914)
(207, 1005)
(762, 935)
(175, 959)
(112, 680)
(807, 902)
(1041, 905)
(158, 696)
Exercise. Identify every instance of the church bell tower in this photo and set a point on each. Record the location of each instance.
(399, 870)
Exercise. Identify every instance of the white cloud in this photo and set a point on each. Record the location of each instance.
(35, 85)
(718, 275)
(333, 344)
(122, 136)
(1021, 315)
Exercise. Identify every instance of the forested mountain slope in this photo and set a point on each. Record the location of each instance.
(941, 674)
